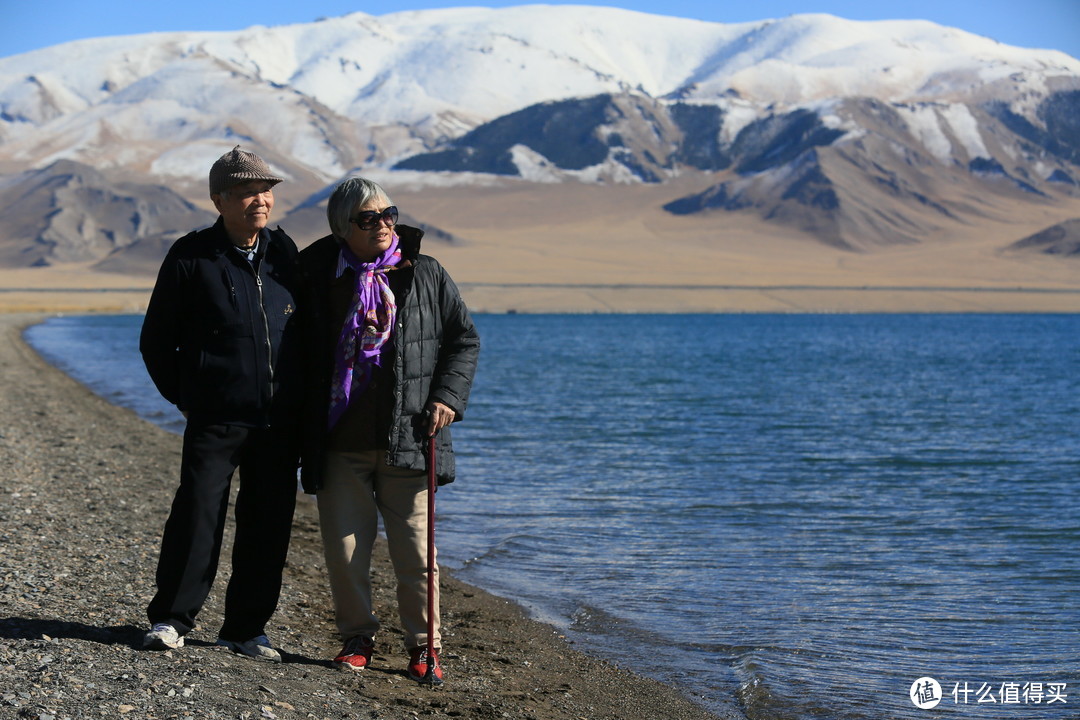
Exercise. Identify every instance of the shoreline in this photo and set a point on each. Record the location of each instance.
(83, 507)
(631, 298)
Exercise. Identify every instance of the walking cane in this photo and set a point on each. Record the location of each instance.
(430, 678)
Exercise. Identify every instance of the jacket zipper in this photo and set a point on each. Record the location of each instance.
(232, 289)
(266, 327)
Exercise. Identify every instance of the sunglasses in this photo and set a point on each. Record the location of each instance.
(370, 219)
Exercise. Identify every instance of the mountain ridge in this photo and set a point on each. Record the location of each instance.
(864, 134)
(469, 66)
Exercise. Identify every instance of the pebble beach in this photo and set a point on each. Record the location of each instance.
(84, 494)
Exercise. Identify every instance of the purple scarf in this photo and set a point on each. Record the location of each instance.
(367, 328)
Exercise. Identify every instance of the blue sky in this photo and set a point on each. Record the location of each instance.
(30, 24)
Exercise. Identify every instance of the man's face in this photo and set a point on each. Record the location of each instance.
(245, 208)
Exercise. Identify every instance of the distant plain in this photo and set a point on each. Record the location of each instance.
(536, 247)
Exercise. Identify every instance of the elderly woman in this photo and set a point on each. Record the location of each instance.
(392, 352)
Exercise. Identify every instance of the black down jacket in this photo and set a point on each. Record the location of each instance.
(436, 347)
(217, 336)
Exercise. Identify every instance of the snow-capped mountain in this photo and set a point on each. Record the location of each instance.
(798, 118)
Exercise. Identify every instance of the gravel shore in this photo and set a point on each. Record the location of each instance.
(84, 493)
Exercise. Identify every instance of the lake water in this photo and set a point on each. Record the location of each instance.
(786, 516)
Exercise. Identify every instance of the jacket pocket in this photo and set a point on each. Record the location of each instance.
(227, 376)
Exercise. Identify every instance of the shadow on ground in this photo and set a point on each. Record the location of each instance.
(16, 628)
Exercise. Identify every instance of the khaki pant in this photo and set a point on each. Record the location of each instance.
(358, 487)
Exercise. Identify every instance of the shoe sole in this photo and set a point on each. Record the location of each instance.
(240, 651)
(159, 644)
(423, 679)
(349, 666)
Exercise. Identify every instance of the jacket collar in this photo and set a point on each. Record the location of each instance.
(222, 244)
(409, 238)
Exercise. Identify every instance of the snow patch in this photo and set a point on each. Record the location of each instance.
(533, 166)
(965, 128)
(925, 125)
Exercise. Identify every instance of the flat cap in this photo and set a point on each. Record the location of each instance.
(237, 166)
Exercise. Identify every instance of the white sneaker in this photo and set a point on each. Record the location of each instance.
(163, 636)
(257, 647)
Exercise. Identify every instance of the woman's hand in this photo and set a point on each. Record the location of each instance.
(439, 416)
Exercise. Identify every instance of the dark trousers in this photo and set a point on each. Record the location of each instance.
(191, 542)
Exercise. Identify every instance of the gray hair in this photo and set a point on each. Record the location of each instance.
(351, 194)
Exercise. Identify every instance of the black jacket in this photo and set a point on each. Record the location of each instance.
(217, 336)
(435, 352)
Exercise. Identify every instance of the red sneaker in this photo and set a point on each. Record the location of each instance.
(418, 667)
(356, 655)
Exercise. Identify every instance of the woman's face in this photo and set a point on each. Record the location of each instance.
(371, 229)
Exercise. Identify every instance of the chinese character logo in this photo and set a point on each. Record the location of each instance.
(925, 693)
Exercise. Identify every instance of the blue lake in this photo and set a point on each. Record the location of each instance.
(787, 516)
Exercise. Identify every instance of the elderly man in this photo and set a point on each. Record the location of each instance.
(217, 342)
